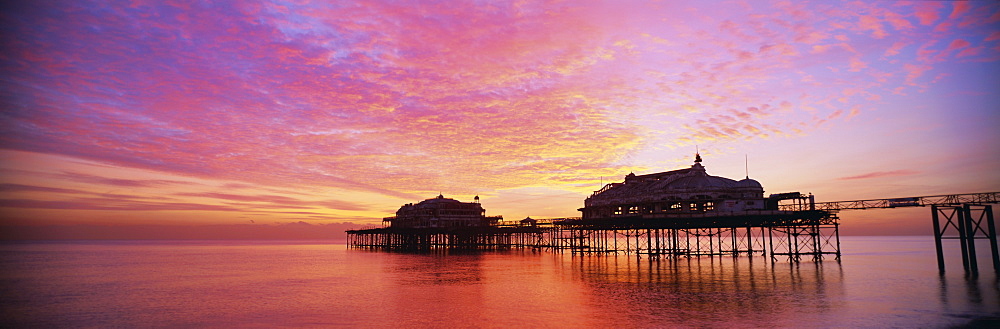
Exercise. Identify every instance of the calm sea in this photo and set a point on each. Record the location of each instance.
(880, 282)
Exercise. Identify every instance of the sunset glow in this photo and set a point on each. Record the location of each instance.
(196, 113)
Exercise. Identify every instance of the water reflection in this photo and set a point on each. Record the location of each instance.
(882, 284)
(710, 290)
(478, 290)
(438, 269)
(960, 295)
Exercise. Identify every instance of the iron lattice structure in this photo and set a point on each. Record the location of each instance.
(780, 234)
(920, 201)
(789, 234)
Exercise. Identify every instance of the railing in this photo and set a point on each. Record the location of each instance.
(950, 199)
(539, 222)
(605, 188)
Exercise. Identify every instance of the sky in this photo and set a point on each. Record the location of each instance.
(194, 113)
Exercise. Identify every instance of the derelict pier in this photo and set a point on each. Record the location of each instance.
(683, 212)
(786, 234)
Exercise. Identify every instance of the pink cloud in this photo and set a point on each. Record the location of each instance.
(873, 24)
(958, 8)
(881, 174)
(811, 37)
(857, 64)
(110, 204)
(31, 188)
(835, 114)
(278, 201)
(854, 112)
(781, 49)
(894, 49)
(970, 52)
(958, 44)
(926, 52)
(119, 182)
(928, 12)
(897, 21)
(247, 231)
(945, 27)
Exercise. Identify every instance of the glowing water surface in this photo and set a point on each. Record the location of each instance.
(880, 282)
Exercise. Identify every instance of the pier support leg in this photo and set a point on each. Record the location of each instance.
(836, 230)
(957, 215)
(970, 236)
(991, 226)
(770, 242)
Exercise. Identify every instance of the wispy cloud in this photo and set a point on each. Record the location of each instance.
(880, 174)
(111, 204)
(278, 201)
(116, 182)
(33, 188)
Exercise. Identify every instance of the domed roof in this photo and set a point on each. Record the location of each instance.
(439, 199)
(701, 182)
(698, 179)
(748, 183)
(681, 183)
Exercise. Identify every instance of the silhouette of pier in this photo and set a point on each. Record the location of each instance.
(796, 230)
(683, 212)
(679, 213)
(965, 217)
(791, 234)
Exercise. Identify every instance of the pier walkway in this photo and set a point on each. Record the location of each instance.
(965, 217)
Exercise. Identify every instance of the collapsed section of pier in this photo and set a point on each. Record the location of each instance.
(676, 213)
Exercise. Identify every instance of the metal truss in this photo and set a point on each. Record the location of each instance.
(920, 201)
